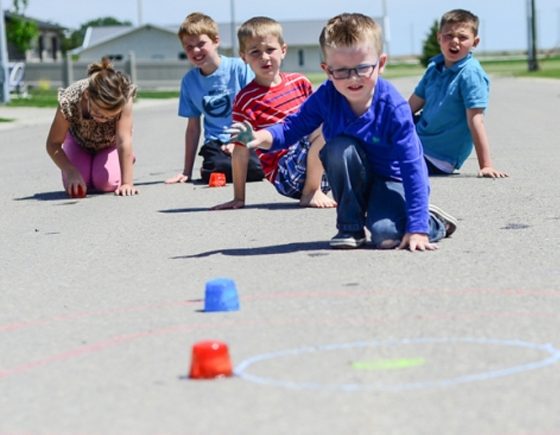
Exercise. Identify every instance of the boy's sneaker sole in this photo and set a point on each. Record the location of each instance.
(347, 241)
(449, 221)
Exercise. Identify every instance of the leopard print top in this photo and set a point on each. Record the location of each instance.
(91, 135)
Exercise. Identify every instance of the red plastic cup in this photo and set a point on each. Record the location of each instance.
(210, 359)
(217, 179)
(79, 192)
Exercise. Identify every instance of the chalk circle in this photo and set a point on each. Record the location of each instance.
(547, 355)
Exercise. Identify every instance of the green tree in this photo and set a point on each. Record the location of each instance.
(430, 45)
(20, 31)
(76, 38)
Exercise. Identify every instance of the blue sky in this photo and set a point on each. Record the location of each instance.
(503, 22)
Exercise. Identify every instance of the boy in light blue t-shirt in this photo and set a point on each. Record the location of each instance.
(453, 94)
(208, 91)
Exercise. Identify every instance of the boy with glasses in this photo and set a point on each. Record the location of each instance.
(372, 156)
(453, 94)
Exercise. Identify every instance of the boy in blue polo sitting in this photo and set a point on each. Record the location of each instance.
(453, 94)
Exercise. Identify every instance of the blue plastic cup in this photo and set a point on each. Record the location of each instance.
(221, 295)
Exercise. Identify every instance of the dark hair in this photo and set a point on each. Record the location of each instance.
(108, 88)
(259, 27)
(197, 24)
(460, 16)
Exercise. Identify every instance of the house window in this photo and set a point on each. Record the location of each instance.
(54, 47)
(301, 58)
(41, 46)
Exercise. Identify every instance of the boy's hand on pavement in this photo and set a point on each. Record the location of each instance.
(233, 204)
(490, 172)
(417, 242)
(179, 178)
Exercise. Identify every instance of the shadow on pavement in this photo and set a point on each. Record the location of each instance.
(61, 194)
(288, 248)
(45, 196)
(265, 206)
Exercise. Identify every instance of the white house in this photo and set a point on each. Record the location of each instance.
(148, 42)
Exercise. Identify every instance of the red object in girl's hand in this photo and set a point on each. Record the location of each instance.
(78, 192)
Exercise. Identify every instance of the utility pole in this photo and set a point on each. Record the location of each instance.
(386, 27)
(233, 32)
(558, 29)
(139, 10)
(4, 71)
(533, 64)
(412, 40)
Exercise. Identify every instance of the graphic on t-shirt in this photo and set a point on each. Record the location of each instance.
(217, 103)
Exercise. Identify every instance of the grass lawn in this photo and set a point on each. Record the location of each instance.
(548, 68)
(48, 97)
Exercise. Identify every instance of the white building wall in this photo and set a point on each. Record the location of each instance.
(302, 59)
(147, 44)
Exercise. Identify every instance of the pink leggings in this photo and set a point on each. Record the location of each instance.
(101, 171)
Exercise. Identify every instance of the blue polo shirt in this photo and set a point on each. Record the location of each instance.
(386, 131)
(447, 94)
(213, 95)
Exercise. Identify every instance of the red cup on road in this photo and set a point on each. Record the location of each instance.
(217, 179)
(210, 359)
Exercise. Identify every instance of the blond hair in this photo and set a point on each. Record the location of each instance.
(197, 24)
(346, 30)
(259, 27)
(460, 16)
(108, 88)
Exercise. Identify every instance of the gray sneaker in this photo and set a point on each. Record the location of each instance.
(449, 221)
(348, 240)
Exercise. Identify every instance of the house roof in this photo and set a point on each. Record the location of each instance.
(101, 34)
(43, 25)
(96, 35)
(297, 32)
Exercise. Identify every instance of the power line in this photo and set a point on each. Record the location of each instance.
(4, 71)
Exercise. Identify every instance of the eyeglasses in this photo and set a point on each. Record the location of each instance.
(363, 70)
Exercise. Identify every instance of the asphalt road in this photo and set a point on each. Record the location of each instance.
(101, 299)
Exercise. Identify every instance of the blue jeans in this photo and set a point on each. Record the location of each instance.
(366, 199)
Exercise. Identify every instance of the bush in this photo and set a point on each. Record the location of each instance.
(430, 47)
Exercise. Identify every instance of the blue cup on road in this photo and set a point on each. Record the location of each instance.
(221, 295)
